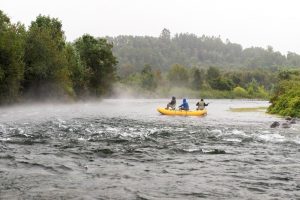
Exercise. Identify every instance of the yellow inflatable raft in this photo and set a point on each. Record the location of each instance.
(182, 112)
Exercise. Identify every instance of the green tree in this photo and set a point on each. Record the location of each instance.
(190, 49)
(165, 35)
(148, 78)
(252, 87)
(12, 37)
(262, 93)
(99, 62)
(76, 71)
(197, 78)
(222, 83)
(47, 72)
(236, 78)
(212, 76)
(178, 75)
(286, 99)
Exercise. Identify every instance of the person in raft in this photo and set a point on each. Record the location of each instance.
(172, 104)
(184, 105)
(201, 105)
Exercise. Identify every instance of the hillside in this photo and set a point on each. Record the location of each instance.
(133, 52)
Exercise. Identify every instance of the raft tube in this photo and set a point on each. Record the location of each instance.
(182, 112)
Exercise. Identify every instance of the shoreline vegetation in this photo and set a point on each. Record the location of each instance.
(38, 64)
(286, 98)
(122, 90)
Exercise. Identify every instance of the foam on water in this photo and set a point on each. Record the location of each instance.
(232, 139)
(124, 149)
(297, 140)
(272, 138)
(216, 131)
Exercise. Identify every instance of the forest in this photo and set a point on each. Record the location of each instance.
(133, 52)
(37, 63)
(206, 67)
(188, 65)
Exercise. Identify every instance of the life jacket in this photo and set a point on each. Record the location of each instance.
(201, 105)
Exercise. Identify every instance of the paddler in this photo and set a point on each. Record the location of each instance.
(201, 105)
(184, 105)
(172, 104)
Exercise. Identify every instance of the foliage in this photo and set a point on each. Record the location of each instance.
(40, 64)
(77, 71)
(12, 37)
(286, 99)
(148, 78)
(197, 77)
(252, 87)
(218, 82)
(213, 73)
(191, 50)
(262, 93)
(178, 75)
(223, 83)
(46, 69)
(99, 62)
(240, 92)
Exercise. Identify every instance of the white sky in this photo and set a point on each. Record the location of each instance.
(247, 22)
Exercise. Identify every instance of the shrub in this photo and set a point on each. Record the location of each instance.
(240, 92)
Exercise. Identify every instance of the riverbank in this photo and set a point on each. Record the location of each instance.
(124, 91)
(286, 99)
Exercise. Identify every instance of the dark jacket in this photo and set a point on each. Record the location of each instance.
(184, 105)
(173, 101)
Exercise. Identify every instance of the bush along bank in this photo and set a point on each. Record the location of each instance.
(286, 98)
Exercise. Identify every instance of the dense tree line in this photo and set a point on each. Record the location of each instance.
(238, 83)
(203, 64)
(161, 52)
(39, 63)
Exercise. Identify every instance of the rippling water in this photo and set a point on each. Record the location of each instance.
(124, 149)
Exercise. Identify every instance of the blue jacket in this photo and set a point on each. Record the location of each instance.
(184, 105)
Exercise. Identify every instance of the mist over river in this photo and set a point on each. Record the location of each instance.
(125, 149)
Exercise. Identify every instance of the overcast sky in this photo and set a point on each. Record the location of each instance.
(247, 22)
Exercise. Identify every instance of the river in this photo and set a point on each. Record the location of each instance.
(125, 149)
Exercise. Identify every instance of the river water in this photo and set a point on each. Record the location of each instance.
(124, 149)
